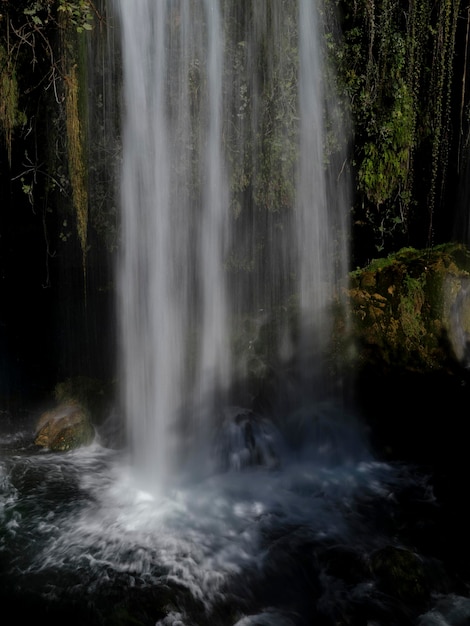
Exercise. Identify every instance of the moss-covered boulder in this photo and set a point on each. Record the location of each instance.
(412, 310)
(65, 427)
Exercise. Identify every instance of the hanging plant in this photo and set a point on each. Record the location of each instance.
(395, 64)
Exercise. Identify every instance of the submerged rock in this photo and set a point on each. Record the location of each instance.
(246, 439)
(65, 427)
(400, 573)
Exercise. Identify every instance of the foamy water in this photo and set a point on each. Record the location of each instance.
(79, 527)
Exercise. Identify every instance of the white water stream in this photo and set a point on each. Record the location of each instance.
(178, 300)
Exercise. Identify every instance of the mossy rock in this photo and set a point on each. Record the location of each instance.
(412, 310)
(65, 427)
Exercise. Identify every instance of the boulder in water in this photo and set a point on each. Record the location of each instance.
(66, 427)
(400, 573)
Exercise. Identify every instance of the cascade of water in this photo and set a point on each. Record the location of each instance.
(321, 223)
(226, 210)
(173, 223)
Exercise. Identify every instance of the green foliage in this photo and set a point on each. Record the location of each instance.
(384, 168)
(39, 88)
(395, 64)
(395, 67)
(78, 13)
(41, 12)
(410, 307)
(28, 39)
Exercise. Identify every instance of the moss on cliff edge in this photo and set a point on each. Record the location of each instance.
(411, 310)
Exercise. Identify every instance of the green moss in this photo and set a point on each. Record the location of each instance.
(395, 62)
(74, 80)
(402, 307)
(410, 308)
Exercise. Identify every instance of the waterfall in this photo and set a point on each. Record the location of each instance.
(228, 220)
(321, 220)
(252, 497)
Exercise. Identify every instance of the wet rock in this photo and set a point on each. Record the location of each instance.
(246, 439)
(65, 427)
(401, 574)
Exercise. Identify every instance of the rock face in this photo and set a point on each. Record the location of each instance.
(412, 310)
(410, 322)
(65, 427)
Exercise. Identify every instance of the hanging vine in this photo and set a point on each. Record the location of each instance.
(39, 47)
(396, 63)
(464, 90)
(441, 85)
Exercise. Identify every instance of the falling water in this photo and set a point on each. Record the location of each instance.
(322, 204)
(234, 235)
(226, 208)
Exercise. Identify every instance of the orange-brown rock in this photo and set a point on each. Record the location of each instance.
(65, 427)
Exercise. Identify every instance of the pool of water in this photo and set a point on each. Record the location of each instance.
(314, 539)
